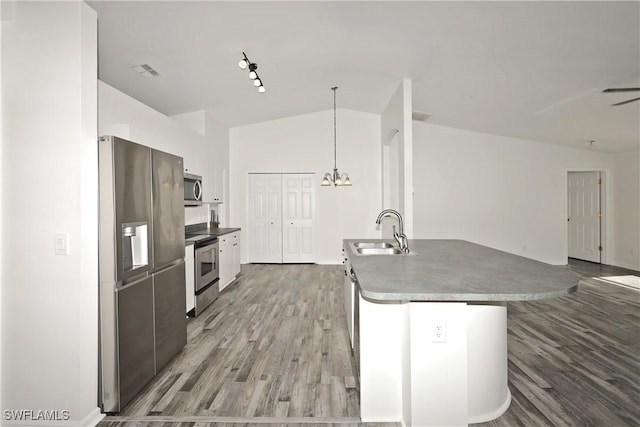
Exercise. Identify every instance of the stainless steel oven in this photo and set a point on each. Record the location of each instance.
(207, 270)
(206, 265)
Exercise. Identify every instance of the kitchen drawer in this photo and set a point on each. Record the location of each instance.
(230, 238)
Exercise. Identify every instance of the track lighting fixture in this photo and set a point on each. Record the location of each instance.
(253, 75)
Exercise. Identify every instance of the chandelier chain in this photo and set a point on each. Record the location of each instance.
(335, 154)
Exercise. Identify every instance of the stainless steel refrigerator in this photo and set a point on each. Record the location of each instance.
(142, 272)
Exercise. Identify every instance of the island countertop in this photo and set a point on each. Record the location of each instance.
(456, 270)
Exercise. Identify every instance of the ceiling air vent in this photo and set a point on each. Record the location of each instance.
(146, 71)
(420, 116)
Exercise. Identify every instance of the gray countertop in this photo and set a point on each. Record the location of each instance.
(456, 270)
(215, 231)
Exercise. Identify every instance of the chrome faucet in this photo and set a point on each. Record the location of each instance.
(400, 237)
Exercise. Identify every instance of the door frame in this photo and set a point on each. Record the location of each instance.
(605, 202)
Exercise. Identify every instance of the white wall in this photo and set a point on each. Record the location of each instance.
(396, 123)
(123, 116)
(505, 193)
(3, 16)
(626, 212)
(305, 144)
(49, 305)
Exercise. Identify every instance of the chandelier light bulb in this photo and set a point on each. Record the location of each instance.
(243, 64)
(257, 82)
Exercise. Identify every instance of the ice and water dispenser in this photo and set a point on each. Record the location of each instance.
(135, 250)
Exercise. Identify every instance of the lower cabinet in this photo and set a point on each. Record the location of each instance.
(229, 250)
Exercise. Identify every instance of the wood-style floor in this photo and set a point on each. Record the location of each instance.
(273, 350)
(575, 360)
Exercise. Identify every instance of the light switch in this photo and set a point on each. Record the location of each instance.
(61, 243)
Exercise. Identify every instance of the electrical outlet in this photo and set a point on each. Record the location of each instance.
(439, 331)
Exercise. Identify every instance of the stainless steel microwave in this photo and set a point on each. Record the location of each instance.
(192, 190)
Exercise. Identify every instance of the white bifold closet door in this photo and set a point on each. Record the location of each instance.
(298, 192)
(265, 218)
(281, 218)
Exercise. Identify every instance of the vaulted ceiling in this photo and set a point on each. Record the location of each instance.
(532, 70)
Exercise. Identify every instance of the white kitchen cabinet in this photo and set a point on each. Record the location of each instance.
(281, 218)
(229, 250)
(189, 275)
(217, 184)
(236, 253)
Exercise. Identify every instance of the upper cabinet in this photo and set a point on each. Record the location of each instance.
(209, 159)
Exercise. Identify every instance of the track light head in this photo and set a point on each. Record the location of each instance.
(244, 63)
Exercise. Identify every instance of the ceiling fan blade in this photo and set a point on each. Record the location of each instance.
(625, 102)
(621, 89)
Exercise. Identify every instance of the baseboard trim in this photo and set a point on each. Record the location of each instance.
(233, 420)
(93, 418)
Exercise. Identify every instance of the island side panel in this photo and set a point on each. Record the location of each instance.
(489, 395)
(438, 368)
(382, 327)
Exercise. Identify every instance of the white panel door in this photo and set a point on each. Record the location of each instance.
(583, 189)
(298, 196)
(265, 219)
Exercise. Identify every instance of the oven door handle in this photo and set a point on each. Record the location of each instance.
(206, 248)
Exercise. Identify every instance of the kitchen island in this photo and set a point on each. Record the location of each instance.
(429, 328)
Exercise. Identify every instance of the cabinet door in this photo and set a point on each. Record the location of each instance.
(265, 218)
(225, 250)
(298, 194)
(236, 254)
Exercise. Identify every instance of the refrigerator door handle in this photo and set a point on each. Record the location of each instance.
(144, 276)
(169, 266)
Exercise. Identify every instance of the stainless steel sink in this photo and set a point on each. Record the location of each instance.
(379, 251)
(377, 248)
(372, 245)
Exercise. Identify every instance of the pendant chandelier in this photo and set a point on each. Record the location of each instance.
(335, 178)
